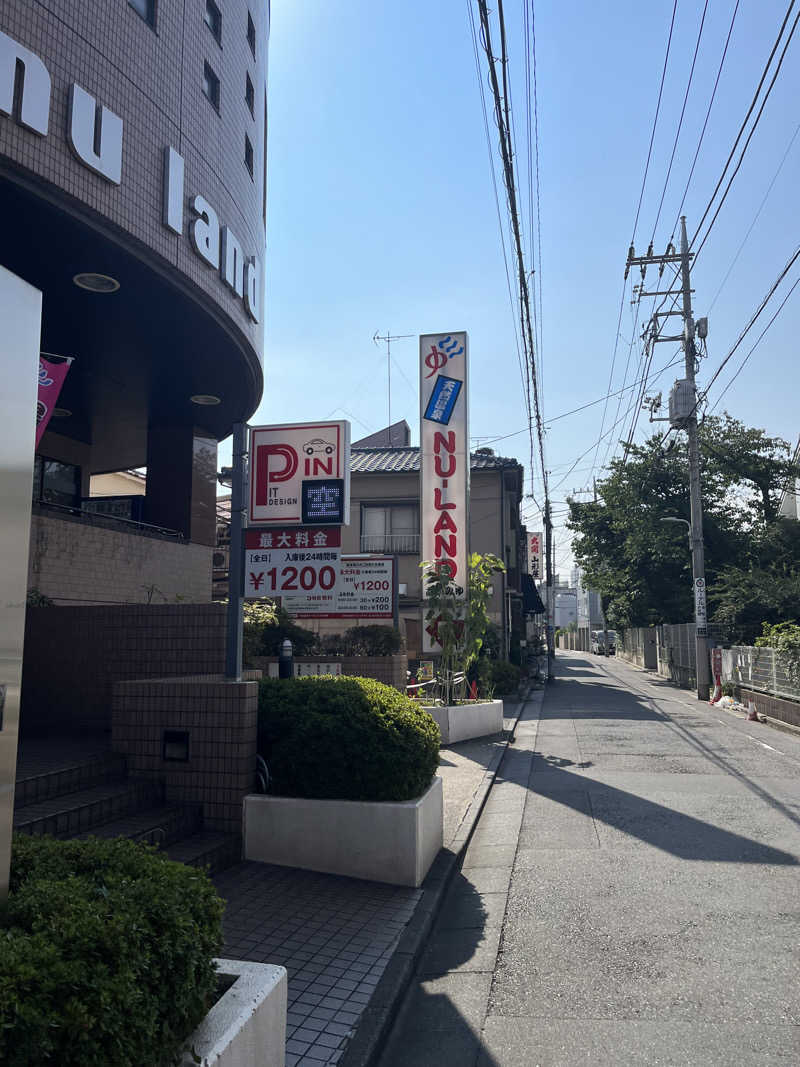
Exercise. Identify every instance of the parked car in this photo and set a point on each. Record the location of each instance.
(598, 642)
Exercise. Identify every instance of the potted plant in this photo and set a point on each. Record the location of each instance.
(353, 785)
(460, 626)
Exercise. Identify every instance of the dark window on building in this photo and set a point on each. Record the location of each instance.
(251, 34)
(248, 154)
(56, 483)
(250, 95)
(145, 8)
(211, 85)
(213, 19)
(390, 528)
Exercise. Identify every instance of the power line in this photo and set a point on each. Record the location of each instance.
(708, 114)
(753, 318)
(501, 106)
(756, 343)
(573, 411)
(743, 126)
(680, 120)
(755, 217)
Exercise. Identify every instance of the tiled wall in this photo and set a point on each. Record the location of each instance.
(220, 719)
(73, 655)
(152, 79)
(77, 563)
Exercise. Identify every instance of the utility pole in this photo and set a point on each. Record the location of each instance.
(388, 338)
(551, 600)
(683, 415)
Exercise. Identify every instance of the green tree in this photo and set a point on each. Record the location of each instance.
(461, 625)
(642, 566)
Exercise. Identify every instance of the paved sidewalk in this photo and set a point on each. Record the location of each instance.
(336, 935)
(631, 894)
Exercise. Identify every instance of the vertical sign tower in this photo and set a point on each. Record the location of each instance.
(444, 459)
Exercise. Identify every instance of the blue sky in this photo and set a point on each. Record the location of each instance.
(381, 211)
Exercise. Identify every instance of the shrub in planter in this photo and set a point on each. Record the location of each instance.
(107, 954)
(505, 677)
(371, 640)
(341, 738)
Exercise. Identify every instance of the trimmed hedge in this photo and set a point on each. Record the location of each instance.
(106, 954)
(342, 738)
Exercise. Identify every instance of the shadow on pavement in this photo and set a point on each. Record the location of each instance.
(442, 1016)
(654, 824)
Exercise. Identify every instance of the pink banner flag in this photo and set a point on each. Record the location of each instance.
(51, 378)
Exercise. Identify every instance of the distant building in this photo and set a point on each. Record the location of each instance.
(589, 603)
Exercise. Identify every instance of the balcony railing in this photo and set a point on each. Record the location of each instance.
(390, 544)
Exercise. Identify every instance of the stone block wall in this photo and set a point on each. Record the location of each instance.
(216, 720)
(776, 707)
(75, 562)
(73, 656)
(391, 670)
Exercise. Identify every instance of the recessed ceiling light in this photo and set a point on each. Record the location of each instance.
(61, 413)
(96, 283)
(205, 399)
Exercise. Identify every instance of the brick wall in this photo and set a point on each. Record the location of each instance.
(73, 655)
(218, 719)
(74, 562)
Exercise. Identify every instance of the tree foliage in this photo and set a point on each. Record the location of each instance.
(642, 566)
(461, 625)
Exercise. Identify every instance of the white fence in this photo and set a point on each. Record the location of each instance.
(761, 669)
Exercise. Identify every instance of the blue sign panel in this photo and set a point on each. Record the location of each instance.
(323, 502)
(443, 399)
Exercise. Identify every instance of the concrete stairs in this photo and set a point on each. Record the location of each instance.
(76, 791)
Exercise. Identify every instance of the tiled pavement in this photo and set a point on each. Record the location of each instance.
(333, 935)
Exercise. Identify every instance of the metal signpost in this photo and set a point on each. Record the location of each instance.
(20, 314)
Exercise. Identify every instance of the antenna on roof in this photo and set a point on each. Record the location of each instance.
(388, 338)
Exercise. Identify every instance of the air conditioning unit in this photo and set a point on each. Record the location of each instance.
(682, 402)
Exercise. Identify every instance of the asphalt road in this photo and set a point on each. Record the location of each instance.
(631, 894)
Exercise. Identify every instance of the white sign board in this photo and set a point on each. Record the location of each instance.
(535, 555)
(291, 561)
(444, 456)
(700, 615)
(365, 591)
(282, 458)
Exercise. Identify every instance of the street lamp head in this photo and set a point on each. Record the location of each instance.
(674, 518)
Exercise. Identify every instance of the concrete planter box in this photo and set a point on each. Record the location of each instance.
(382, 841)
(247, 1025)
(460, 722)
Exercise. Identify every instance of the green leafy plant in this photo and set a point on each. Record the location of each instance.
(373, 640)
(107, 954)
(460, 624)
(345, 738)
(35, 599)
(784, 638)
(504, 677)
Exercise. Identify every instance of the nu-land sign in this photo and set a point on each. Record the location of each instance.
(300, 473)
(444, 456)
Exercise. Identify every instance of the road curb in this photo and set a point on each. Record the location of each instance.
(379, 1015)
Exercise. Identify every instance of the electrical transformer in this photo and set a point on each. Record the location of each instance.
(682, 402)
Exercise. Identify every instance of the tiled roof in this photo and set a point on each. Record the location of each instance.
(406, 461)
